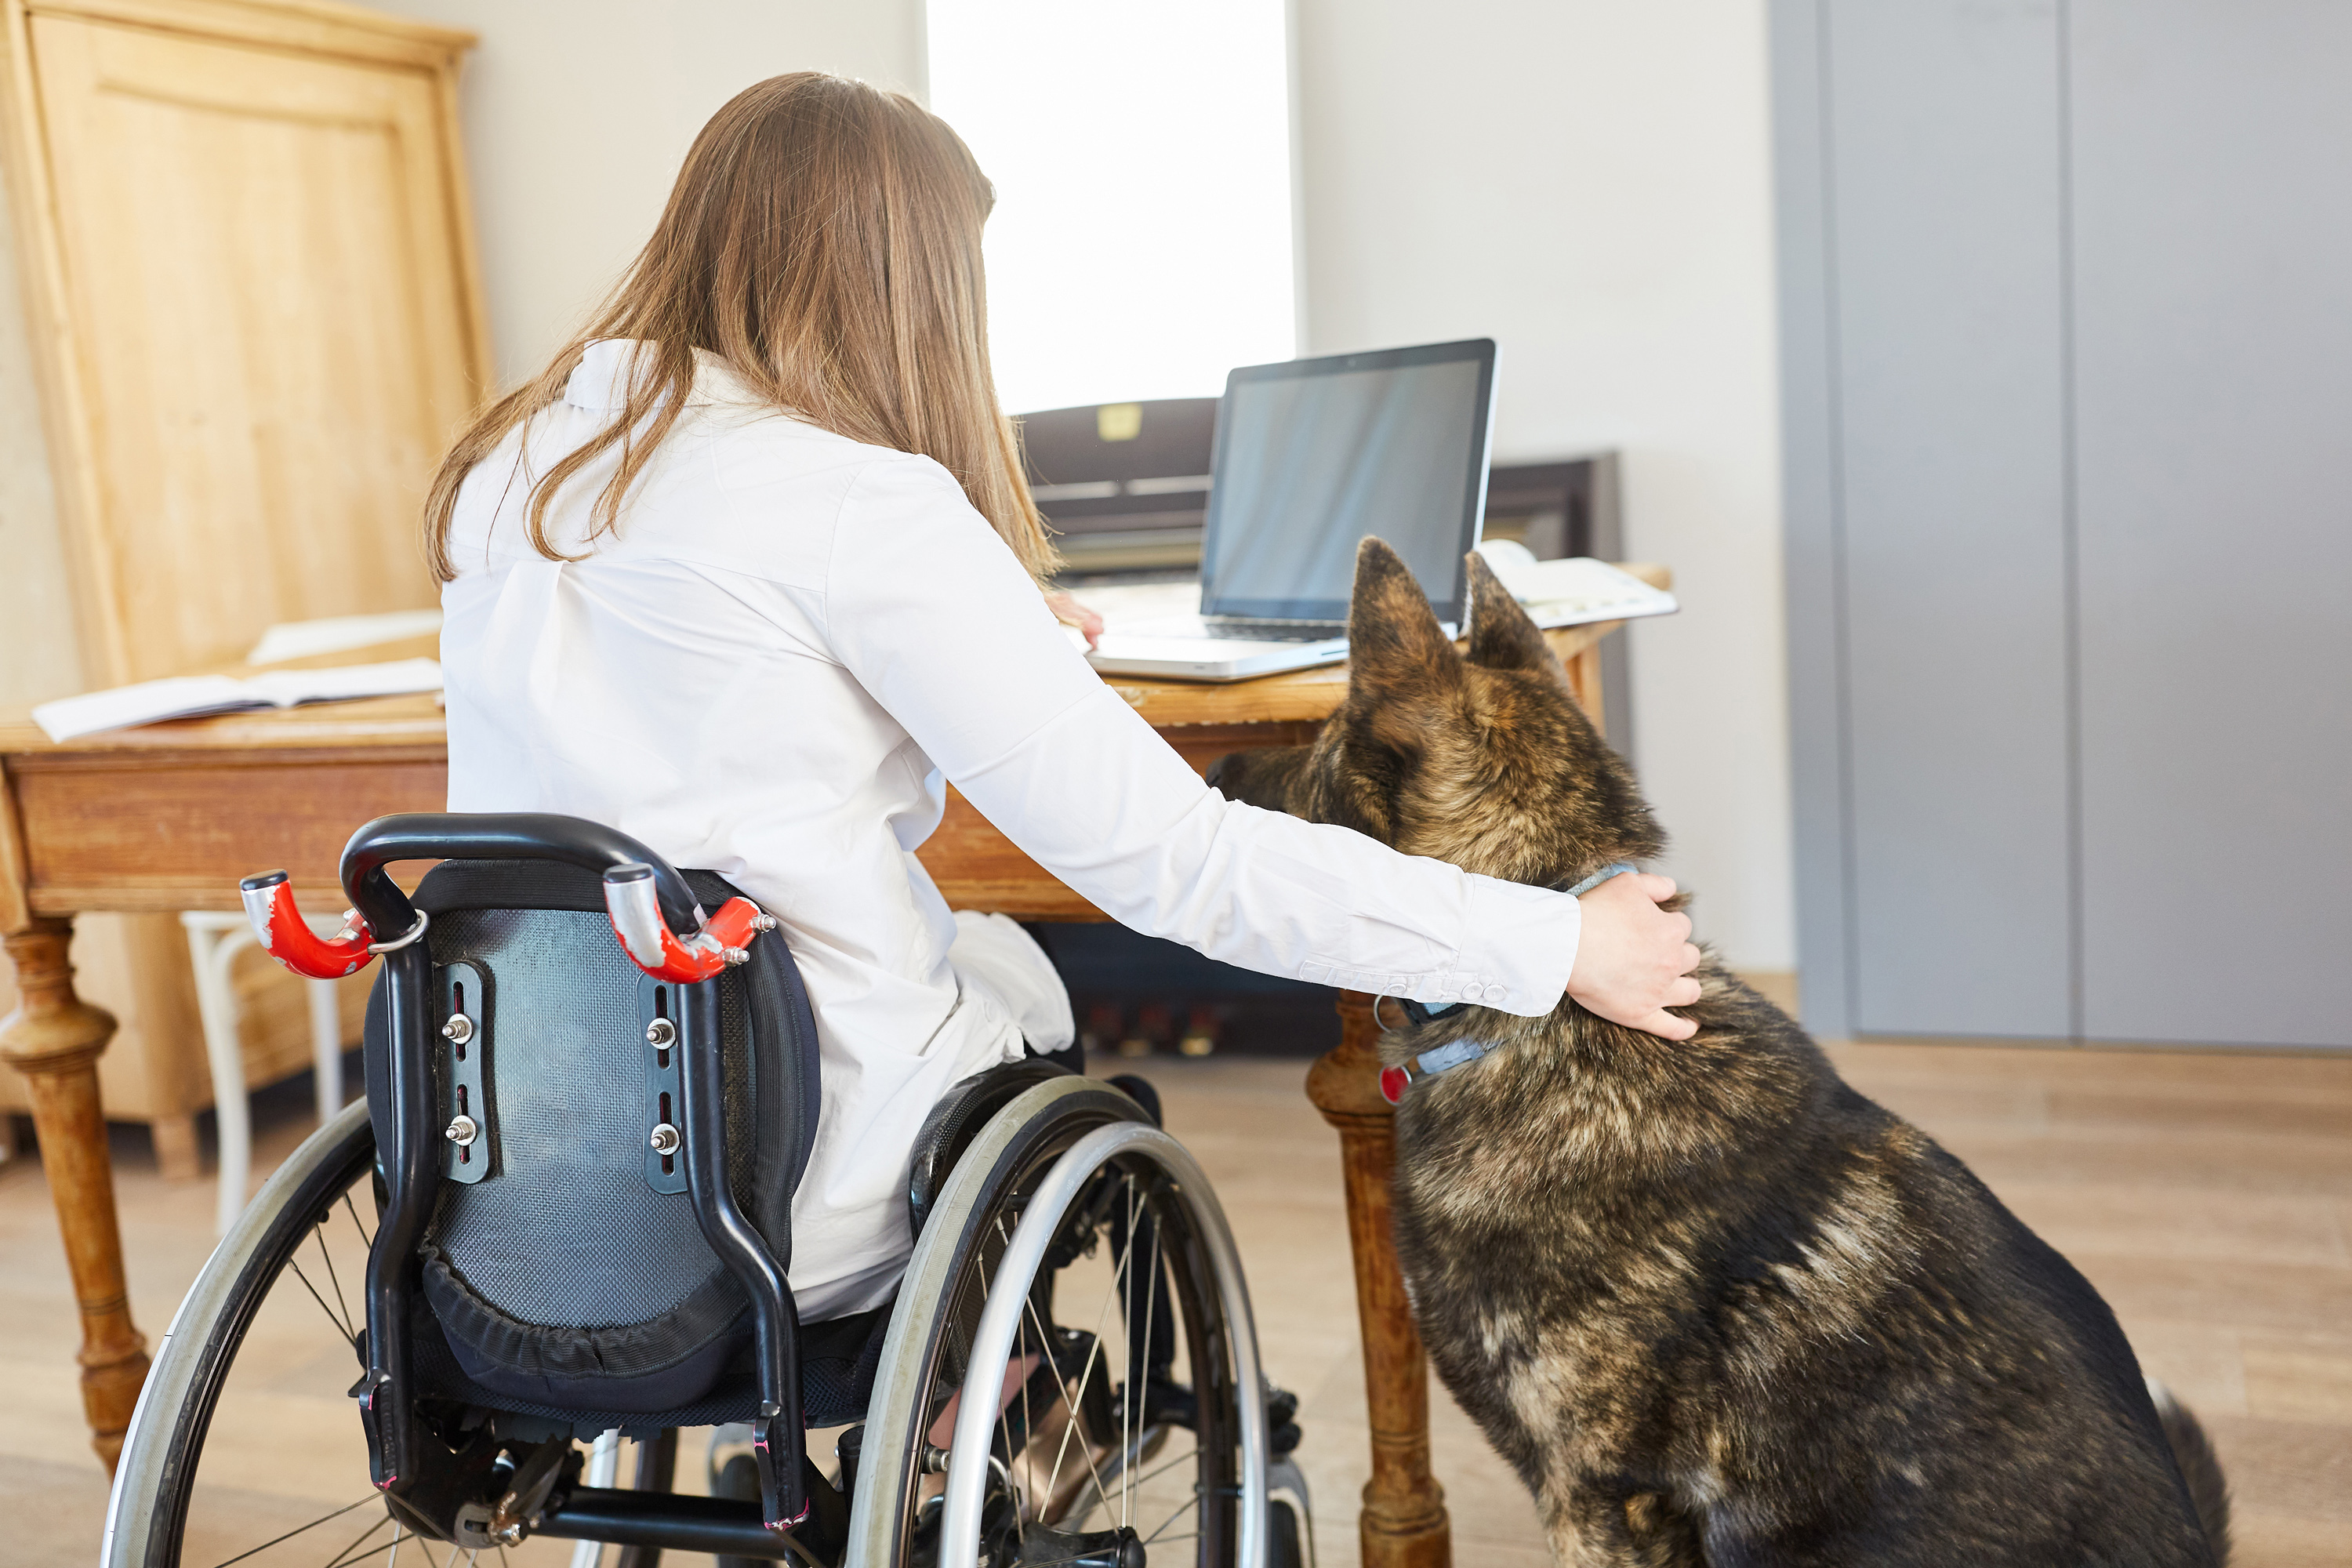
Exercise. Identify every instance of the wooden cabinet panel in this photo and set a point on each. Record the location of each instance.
(270, 331)
(244, 259)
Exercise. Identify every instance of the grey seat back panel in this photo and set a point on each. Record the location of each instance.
(567, 1233)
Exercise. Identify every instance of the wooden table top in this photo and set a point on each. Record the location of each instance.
(1306, 696)
(166, 816)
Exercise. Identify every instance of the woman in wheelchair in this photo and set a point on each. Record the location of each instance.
(738, 583)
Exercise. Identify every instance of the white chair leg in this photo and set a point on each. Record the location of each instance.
(603, 1468)
(213, 943)
(326, 1047)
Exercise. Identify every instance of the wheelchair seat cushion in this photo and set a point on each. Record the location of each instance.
(563, 1278)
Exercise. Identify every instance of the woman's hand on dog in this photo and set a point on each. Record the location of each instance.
(1634, 960)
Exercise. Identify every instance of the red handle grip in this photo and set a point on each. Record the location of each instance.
(629, 898)
(286, 936)
(660, 952)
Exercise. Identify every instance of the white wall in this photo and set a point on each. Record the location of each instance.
(1588, 183)
(578, 113)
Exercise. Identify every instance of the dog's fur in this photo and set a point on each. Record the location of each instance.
(1712, 1304)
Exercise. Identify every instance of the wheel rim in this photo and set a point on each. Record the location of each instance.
(991, 1512)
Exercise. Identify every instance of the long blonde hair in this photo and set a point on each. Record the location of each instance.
(823, 241)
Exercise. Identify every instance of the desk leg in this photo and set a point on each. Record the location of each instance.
(1584, 684)
(1403, 1524)
(54, 1039)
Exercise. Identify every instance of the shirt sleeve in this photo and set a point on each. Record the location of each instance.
(928, 609)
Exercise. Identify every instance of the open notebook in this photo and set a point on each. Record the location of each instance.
(189, 696)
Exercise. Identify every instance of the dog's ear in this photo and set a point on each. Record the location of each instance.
(1395, 646)
(1501, 636)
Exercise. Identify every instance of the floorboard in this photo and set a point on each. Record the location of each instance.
(2209, 1197)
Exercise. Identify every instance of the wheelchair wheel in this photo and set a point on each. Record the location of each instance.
(1072, 1373)
(285, 1281)
(1121, 1436)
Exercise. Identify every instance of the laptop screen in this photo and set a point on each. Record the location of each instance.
(1313, 454)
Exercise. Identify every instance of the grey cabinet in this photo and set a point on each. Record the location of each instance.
(2066, 300)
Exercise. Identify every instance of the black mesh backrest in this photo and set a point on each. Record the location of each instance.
(565, 1279)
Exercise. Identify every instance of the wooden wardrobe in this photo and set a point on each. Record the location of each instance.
(252, 314)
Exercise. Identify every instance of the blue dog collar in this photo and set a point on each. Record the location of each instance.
(1396, 1080)
(1594, 881)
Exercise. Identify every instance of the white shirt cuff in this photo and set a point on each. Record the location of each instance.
(1519, 945)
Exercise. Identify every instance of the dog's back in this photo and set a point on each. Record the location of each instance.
(1713, 1304)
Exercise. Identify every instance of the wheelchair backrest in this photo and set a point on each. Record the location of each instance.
(564, 1264)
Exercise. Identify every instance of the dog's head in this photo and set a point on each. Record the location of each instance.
(1481, 759)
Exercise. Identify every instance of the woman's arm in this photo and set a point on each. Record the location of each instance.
(935, 618)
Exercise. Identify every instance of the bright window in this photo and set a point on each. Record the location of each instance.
(1141, 242)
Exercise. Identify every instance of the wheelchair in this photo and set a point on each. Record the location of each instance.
(561, 1217)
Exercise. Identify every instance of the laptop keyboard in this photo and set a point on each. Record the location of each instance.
(1275, 631)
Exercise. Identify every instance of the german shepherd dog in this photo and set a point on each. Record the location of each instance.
(1712, 1304)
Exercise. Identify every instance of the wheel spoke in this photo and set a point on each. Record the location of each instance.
(333, 1278)
(1065, 1562)
(365, 1235)
(341, 1328)
(1093, 1358)
(1028, 1421)
(300, 1529)
(344, 1556)
(1182, 1509)
(1139, 1366)
(1158, 1470)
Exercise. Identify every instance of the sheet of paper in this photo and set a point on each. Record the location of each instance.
(1557, 593)
(1574, 591)
(303, 639)
(186, 695)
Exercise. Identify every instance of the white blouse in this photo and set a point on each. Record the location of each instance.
(772, 671)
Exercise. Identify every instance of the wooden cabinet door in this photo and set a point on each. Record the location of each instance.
(271, 329)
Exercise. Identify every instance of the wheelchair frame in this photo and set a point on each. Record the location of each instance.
(648, 901)
(1038, 1159)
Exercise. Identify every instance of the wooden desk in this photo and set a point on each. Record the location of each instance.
(169, 816)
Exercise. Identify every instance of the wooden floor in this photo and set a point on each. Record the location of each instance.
(2207, 1196)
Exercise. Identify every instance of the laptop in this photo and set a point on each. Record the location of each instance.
(1312, 455)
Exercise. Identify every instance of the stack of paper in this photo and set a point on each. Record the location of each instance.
(1573, 591)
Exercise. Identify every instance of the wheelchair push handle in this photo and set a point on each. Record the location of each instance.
(286, 936)
(635, 911)
(654, 914)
